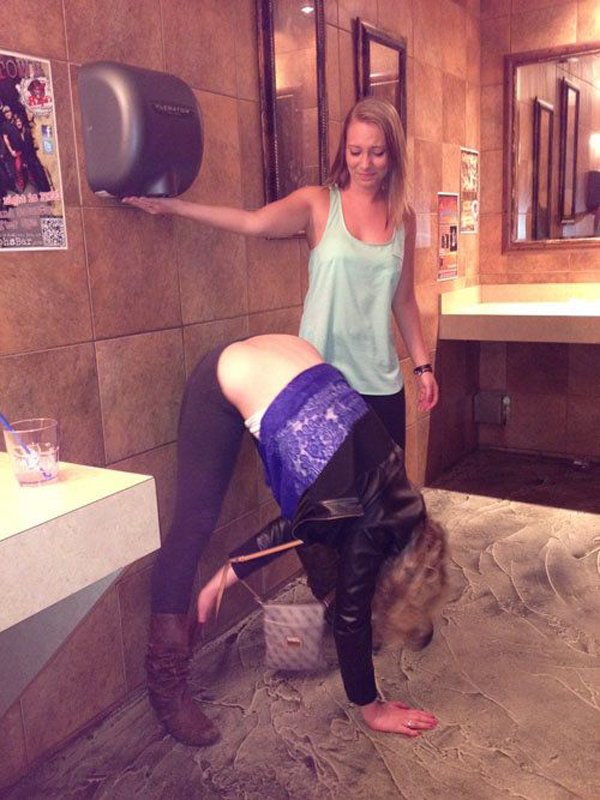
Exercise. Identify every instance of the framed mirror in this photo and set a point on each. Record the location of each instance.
(569, 129)
(543, 123)
(291, 49)
(380, 66)
(565, 80)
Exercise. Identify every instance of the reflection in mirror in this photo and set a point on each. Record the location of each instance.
(568, 80)
(569, 128)
(543, 117)
(294, 107)
(380, 66)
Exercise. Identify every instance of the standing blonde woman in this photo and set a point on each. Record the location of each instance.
(361, 233)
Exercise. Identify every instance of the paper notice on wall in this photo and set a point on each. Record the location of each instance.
(448, 236)
(32, 212)
(469, 191)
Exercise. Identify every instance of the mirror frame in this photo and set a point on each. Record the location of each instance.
(511, 63)
(543, 118)
(364, 34)
(268, 94)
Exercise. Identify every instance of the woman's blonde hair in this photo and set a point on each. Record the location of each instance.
(410, 589)
(383, 114)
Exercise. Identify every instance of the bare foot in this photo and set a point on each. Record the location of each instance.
(392, 716)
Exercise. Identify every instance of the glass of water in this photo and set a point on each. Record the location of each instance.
(32, 446)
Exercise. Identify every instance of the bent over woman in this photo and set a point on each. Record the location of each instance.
(339, 480)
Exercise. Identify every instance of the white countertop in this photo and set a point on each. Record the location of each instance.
(551, 312)
(61, 536)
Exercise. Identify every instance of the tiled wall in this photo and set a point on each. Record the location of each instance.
(103, 335)
(554, 392)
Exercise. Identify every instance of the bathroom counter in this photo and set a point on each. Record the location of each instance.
(536, 312)
(60, 537)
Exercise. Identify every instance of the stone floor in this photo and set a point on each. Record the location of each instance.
(513, 674)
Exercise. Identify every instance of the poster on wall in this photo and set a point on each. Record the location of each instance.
(32, 212)
(469, 191)
(448, 236)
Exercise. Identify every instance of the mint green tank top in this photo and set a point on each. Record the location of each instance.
(348, 308)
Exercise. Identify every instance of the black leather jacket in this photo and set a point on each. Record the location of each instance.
(363, 505)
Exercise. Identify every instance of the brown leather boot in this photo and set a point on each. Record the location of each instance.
(167, 667)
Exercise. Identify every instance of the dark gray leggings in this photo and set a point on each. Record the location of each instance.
(209, 438)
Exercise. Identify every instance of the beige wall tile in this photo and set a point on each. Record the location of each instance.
(207, 61)
(284, 320)
(273, 274)
(349, 9)
(426, 249)
(242, 497)
(133, 593)
(253, 190)
(544, 27)
(491, 182)
(583, 426)
(472, 121)
(520, 6)
(584, 370)
(61, 84)
(491, 117)
(494, 8)
(537, 422)
(347, 84)
(143, 296)
(44, 300)
(83, 679)
(492, 366)
(455, 39)
(473, 46)
(130, 33)
(428, 102)
(246, 49)
(161, 463)
(199, 339)
(60, 383)
(141, 381)
(23, 36)
(429, 33)
(219, 181)
(588, 21)
(454, 93)
(495, 43)
(332, 73)
(397, 18)
(581, 260)
(537, 368)
(212, 273)
(428, 175)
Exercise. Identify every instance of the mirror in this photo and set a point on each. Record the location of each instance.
(552, 149)
(291, 47)
(380, 66)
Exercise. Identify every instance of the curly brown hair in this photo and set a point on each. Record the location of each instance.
(410, 588)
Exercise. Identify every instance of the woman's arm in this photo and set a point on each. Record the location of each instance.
(207, 597)
(284, 217)
(407, 315)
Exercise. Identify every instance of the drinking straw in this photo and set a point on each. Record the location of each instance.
(33, 456)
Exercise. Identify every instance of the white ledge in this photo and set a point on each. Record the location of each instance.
(60, 537)
(530, 312)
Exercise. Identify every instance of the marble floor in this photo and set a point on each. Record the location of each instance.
(513, 674)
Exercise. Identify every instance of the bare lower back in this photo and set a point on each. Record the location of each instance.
(252, 372)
